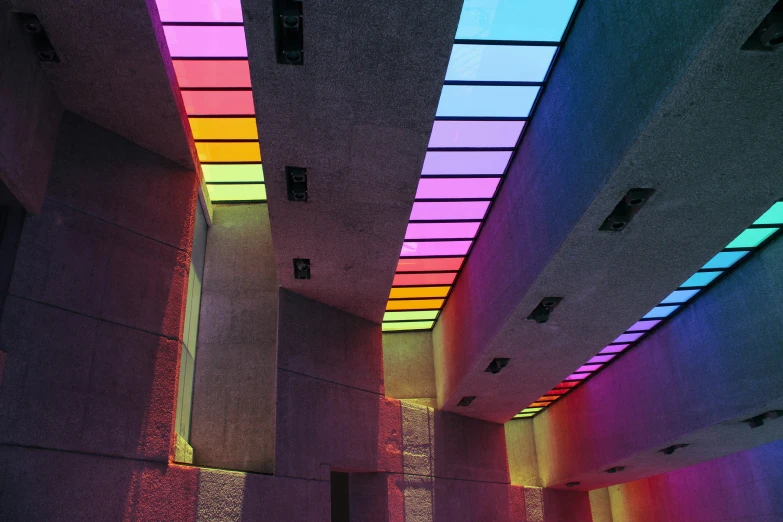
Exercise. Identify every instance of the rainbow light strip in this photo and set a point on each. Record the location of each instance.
(502, 55)
(206, 40)
(760, 233)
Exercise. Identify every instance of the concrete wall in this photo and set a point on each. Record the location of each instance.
(408, 366)
(233, 419)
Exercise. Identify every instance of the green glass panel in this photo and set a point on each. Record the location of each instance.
(409, 325)
(523, 415)
(751, 238)
(531, 410)
(410, 316)
(773, 216)
(233, 173)
(239, 192)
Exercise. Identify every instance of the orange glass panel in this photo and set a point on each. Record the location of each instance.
(421, 291)
(549, 398)
(212, 73)
(224, 128)
(415, 304)
(228, 152)
(539, 404)
(429, 264)
(445, 278)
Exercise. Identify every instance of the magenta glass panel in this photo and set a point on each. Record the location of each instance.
(449, 210)
(601, 359)
(616, 348)
(200, 10)
(589, 367)
(577, 376)
(628, 337)
(435, 248)
(475, 133)
(643, 326)
(456, 188)
(442, 230)
(465, 163)
(206, 41)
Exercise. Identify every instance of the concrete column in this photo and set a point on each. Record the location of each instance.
(408, 367)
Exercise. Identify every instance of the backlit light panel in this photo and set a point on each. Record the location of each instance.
(500, 61)
(761, 232)
(206, 40)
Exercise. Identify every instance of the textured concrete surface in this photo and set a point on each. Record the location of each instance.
(233, 420)
(408, 366)
(358, 115)
(743, 486)
(30, 112)
(566, 506)
(600, 505)
(668, 108)
(183, 452)
(112, 70)
(3, 357)
(522, 456)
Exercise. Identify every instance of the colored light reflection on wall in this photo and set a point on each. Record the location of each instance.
(761, 232)
(206, 40)
(499, 64)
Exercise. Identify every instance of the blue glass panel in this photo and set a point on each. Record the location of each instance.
(486, 101)
(499, 63)
(725, 259)
(532, 20)
(680, 296)
(659, 312)
(701, 279)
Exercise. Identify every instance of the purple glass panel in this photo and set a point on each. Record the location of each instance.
(475, 133)
(616, 348)
(435, 248)
(200, 10)
(589, 367)
(433, 211)
(576, 376)
(456, 188)
(441, 230)
(628, 337)
(643, 326)
(187, 41)
(601, 359)
(465, 163)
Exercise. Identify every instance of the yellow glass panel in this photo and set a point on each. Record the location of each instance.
(408, 325)
(224, 128)
(233, 173)
(422, 291)
(236, 192)
(228, 152)
(415, 304)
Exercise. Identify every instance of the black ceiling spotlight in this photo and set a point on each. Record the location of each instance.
(497, 364)
(465, 401)
(39, 38)
(296, 183)
(615, 469)
(758, 420)
(768, 36)
(540, 313)
(672, 449)
(572, 484)
(288, 32)
(301, 268)
(626, 209)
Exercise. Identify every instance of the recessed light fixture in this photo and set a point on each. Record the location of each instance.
(671, 449)
(40, 40)
(626, 209)
(615, 469)
(301, 268)
(497, 364)
(465, 401)
(540, 313)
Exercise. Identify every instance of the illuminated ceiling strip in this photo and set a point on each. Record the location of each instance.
(206, 40)
(764, 230)
(500, 61)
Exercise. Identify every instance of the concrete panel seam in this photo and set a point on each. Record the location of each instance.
(85, 453)
(330, 382)
(440, 477)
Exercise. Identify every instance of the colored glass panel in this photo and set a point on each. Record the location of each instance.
(424, 265)
(588, 368)
(725, 259)
(773, 216)
(233, 173)
(212, 73)
(680, 296)
(642, 326)
(442, 230)
(435, 248)
(751, 238)
(475, 133)
(486, 101)
(448, 210)
(200, 10)
(237, 192)
(415, 304)
(601, 359)
(410, 316)
(226, 152)
(418, 291)
(523, 415)
(540, 404)
(204, 41)
(557, 392)
(459, 188)
(531, 410)
(701, 279)
(465, 163)
(410, 325)
(207, 103)
(549, 398)
(224, 128)
(499, 63)
(614, 348)
(530, 20)
(628, 337)
(567, 385)
(444, 278)
(659, 312)
(577, 376)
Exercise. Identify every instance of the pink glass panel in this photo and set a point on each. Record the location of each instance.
(206, 41)
(450, 188)
(200, 10)
(212, 73)
(601, 359)
(577, 376)
(445, 278)
(441, 230)
(218, 102)
(449, 210)
(616, 348)
(643, 326)
(628, 337)
(465, 163)
(475, 133)
(435, 248)
(589, 367)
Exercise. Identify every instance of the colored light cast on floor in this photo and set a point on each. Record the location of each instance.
(206, 40)
(499, 63)
(761, 232)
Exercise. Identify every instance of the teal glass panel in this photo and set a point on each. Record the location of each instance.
(751, 238)
(701, 279)
(486, 101)
(773, 216)
(500, 63)
(724, 259)
(531, 20)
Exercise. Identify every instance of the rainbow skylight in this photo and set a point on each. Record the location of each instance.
(761, 232)
(500, 61)
(206, 40)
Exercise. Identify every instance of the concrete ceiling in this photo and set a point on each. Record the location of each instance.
(357, 115)
(112, 70)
